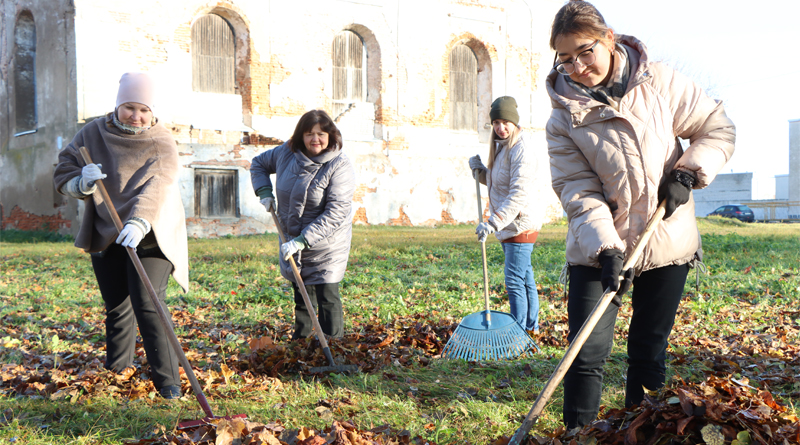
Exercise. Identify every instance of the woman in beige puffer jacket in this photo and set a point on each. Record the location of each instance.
(614, 155)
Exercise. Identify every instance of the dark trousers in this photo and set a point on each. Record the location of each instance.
(326, 302)
(654, 297)
(128, 303)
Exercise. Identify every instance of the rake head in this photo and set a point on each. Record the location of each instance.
(476, 339)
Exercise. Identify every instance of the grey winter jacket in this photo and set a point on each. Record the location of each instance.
(314, 199)
(607, 165)
(512, 192)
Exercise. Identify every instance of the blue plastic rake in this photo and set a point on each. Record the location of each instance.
(487, 335)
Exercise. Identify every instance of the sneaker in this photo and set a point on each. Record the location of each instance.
(170, 392)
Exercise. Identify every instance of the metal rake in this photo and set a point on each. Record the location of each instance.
(487, 335)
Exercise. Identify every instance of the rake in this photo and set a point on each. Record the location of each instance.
(583, 334)
(314, 321)
(487, 335)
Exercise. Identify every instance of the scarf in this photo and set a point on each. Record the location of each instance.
(611, 92)
(130, 129)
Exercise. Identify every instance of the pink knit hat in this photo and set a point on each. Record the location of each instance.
(136, 87)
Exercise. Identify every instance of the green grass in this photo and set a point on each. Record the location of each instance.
(51, 311)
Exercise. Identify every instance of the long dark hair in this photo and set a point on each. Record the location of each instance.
(307, 122)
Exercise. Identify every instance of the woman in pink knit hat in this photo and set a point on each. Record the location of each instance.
(137, 159)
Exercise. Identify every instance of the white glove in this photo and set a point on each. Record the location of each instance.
(130, 236)
(289, 248)
(268, 203)
(89, 174)
(475, 163)
(483, 230)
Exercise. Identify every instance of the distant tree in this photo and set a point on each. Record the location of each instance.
(707, 81)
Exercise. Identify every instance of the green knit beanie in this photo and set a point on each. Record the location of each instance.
(505, 107)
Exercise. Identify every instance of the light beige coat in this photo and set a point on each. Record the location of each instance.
(607, 164)
(513, 198)
(142, 182)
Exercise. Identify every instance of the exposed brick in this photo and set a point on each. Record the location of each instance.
(360, 216)
(22, 220)
(361, 191)
(402, 220)
(447, 218)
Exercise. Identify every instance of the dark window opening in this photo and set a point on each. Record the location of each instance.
(349, 71)
(216, 193)
(25, 74)
(463, 89)
(213, 55)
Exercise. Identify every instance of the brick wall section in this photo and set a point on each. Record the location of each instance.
(361, 191)
(185, 134)
(447, 218)
(22, 220)
(402, 220)
(360, 216)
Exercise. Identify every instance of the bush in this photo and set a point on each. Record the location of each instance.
(33, 236)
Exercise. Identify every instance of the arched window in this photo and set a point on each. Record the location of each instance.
(25, 74)
(463, 89)
(349, 71)
(213, 55)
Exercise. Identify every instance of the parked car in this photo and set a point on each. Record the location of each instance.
(738, 211)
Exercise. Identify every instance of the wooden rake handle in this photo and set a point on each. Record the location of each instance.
(483, 253)
(314, 322)
(162, 315)
(583, 334)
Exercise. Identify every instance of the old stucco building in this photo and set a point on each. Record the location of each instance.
(409, 83)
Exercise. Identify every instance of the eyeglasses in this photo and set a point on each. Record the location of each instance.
(585, 59)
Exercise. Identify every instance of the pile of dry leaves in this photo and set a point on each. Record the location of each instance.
(716, 412)
(244, 432)
(401, 342)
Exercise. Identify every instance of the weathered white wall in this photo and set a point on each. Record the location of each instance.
(27, 198)
(411, 168)
(730, 188)
(782, 187)
(794, 168)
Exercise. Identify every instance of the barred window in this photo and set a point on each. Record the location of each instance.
(216, 193)
(349, 71)
(213, 55)
(463, 89)
(25, 74)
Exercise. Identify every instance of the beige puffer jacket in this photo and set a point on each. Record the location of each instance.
(512, 189)
(607, 165)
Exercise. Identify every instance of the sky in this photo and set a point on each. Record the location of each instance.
(745, 52)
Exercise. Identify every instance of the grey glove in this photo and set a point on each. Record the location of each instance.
(268, 203)
(130, 235)
(266, 197)
(290, 247)
(483, 230)
(89, 174)
(475, 163)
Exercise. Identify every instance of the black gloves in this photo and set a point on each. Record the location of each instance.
(611, 261)
(675, 190)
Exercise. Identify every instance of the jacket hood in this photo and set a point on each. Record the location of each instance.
(564, 96)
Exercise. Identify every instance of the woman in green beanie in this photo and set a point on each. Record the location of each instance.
(514, 218)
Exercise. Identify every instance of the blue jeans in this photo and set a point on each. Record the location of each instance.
(520, 285)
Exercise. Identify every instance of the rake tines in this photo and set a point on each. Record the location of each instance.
(475, 340)
(487, 335)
